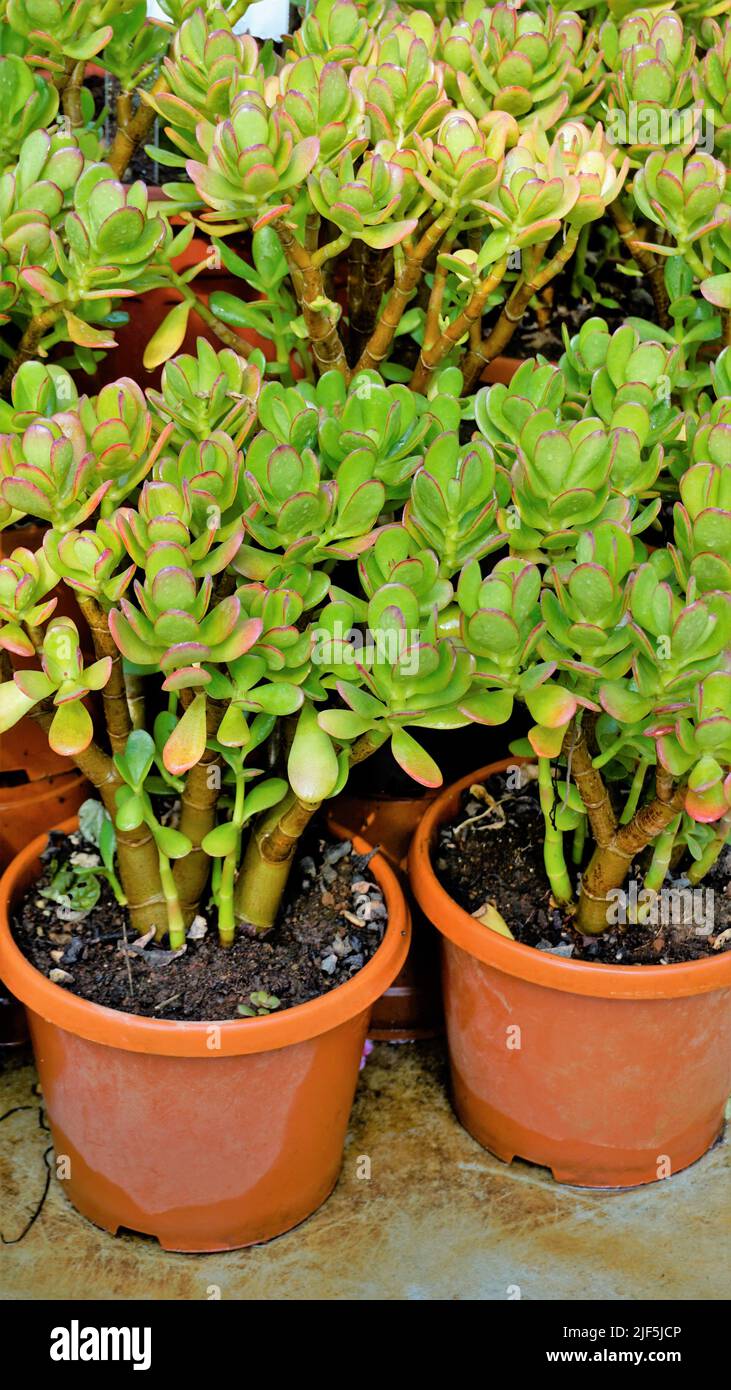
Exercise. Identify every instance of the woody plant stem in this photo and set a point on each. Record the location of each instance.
(432, 355)
(327, 348)
(513, 311)
(272, 847)
(406, 281)
(616, 845)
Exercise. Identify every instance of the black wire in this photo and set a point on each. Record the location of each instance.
(15, 1110)
(41, 1125)
(17, 1239)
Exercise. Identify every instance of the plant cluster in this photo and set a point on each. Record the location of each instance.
(281, 575)
(244, 665)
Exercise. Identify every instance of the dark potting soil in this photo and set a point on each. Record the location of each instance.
(498, 859)
(621, 294)
(332, 923)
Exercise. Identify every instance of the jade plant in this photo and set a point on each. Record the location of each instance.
(200, 529)
(76, 240)
(395, 186)
(617, 648)
(320, 536)
(430, 160)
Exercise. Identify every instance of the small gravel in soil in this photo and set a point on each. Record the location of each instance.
(499, 859)
(331, 925)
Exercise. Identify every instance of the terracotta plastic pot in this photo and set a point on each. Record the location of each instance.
(207, 1136)
(53, 791)
(610, 1075)
(33, 807)
(501, 369)
(411, 1008)
(147, 311)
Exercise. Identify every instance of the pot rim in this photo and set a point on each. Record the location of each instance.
(170, 1038)
(539, 967)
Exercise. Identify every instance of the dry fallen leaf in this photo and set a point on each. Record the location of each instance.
(488, 916)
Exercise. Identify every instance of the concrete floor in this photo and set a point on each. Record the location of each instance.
(439, 1219)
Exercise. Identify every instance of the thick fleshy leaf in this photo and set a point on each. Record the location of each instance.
(546, 742)
(488, 706)
(388, 234)
(717, 290)
(84, 335)
(71, 729)
(414, 759)
(264, 795)
(342, 724)
(312, 766)
(551, 705)
(186, 744)
(220, 841)
(168, 337)
(138, 757)
(625, 705)
(130, 812)
(13, 705)
(173, 843)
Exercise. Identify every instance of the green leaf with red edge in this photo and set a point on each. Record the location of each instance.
(35, 685)
(43, 284)
(624, 705)
(14, 639)
(242, 639)
(707, 773)
(359, 700)
(125, 638)
(707, 806)
(84, 335)
(86, 47)
(545, 742)
(26, 497)
(717, 290)
(388, 234)
(488, 706)
(551, 705)
(414, 759)
(96, 676)
(265, 217)
(186, 744)
(71, 729)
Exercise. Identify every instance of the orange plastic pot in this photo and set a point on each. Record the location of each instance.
(501, 369)
(209, 1136)
(33, 807)
(609, 1075)
(147, 311)
(411, 1008)
(53, 791)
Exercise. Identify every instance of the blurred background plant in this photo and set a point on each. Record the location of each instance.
(394, 186)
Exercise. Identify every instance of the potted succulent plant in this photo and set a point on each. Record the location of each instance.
(314, 568)
(204, 578)
(620, 656)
